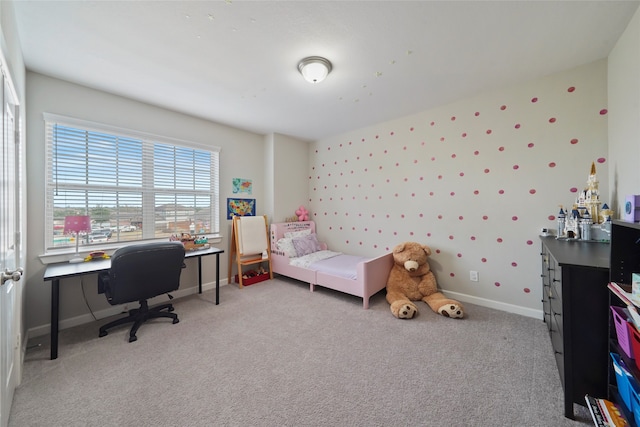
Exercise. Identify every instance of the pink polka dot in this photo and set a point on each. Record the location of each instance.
(503, 107)
(551, 217)
(473, 237)
(485, 217)
(514, 218)
(534, 99)
(497, 284)
(526, 290)
(452, 274)
(571, 89)
(532, 191)
(552, 120)
(411, 129)
(477, 113)
(530, 145)
(453, 156)
(516, 167)
(500, 191)
(552, 164)
(439, 216)
(475, 153)
(453, 118)
(452, 193)
(573, 190)
(450, 237)
(601, 160)
(489, 131)
(517, 126)
(442, 139)
(500, 148)
(574, 141)
(432, 123)
(499, 240)
(514, 264)
(529, 242)
(603, 111)
(487, 170)
(460, 217)
(476, 192)
(483, 259)
(464, 134)
(459, 255)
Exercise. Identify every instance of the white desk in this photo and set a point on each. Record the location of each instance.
(55, 272)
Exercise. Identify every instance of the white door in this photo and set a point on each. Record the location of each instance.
(10, 249)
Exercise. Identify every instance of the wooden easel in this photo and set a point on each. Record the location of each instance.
(248, 244)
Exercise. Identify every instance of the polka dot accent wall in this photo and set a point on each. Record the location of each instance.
(474, 180)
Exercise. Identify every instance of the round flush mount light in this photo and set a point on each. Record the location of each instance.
(314, 69)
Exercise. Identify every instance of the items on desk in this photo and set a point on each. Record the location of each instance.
(74, 225)
(190, 242)
(96, 255)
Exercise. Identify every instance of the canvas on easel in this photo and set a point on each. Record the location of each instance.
(249, 244)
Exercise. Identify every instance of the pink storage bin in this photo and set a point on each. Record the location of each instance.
(622, 331)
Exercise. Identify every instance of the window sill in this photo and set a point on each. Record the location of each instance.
(64, 255)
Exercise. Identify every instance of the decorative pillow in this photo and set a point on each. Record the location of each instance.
(286, 246)
(298, 233)
(306, 245)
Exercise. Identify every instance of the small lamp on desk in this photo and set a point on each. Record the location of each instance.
(75, 224)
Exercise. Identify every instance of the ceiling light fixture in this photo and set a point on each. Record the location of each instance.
(314, 69)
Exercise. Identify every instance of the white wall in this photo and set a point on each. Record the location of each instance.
(475, 180)
(241, 156)
(624, 117)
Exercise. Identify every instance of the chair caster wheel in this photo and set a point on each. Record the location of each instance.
(102, 333)
(133, 338)
(170, 309)
(176, 320)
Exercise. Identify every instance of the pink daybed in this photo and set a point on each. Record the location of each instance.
(362, 277)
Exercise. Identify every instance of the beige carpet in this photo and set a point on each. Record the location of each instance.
(275, 354)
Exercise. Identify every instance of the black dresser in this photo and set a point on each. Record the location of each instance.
(576, 310)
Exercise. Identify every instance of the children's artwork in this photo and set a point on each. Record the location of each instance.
(241, 185)
(241, 207)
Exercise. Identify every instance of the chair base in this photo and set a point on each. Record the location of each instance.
(138, 316)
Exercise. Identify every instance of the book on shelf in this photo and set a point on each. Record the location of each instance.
(624, 293)
(605, 413)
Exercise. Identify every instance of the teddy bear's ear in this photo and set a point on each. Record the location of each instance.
(427, 249)
(399, 248)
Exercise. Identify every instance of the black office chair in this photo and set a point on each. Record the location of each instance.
(137, 273)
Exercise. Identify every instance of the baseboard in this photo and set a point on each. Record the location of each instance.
(509, 308)
(116, 309)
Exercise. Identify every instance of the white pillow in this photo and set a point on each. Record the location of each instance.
(286, 245)
(300, 233)
(306, 245)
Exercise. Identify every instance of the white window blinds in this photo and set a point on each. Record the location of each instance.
(133, 185)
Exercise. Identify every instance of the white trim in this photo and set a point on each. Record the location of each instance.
(509, 308)
(117, 309)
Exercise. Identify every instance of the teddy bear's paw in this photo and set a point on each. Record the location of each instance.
(451, 310)
(407, 311)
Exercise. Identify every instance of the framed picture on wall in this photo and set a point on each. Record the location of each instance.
(240, 207)
(241, 185)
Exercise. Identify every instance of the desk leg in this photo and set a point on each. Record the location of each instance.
(199, 274)
(55, 305)
(217, 278)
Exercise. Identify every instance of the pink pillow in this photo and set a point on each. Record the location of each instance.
(306, 245)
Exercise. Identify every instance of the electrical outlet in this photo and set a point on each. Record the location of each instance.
(473, 276)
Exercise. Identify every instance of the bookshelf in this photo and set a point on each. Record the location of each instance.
(625, 259)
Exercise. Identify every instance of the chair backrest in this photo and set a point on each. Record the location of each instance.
(143, 271)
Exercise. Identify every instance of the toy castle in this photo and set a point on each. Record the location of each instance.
(586, 214)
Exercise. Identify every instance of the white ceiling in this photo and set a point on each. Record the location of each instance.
(234, 62)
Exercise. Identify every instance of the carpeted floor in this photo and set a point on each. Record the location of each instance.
(275, 354)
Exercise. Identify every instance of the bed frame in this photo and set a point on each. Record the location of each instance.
(371, 275)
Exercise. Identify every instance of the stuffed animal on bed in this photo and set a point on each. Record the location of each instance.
(411, 279)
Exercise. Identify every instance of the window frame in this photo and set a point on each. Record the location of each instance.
(147, 204)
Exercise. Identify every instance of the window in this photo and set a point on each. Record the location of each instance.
(134, 186)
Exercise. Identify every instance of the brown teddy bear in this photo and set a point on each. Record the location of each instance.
(411, 279)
